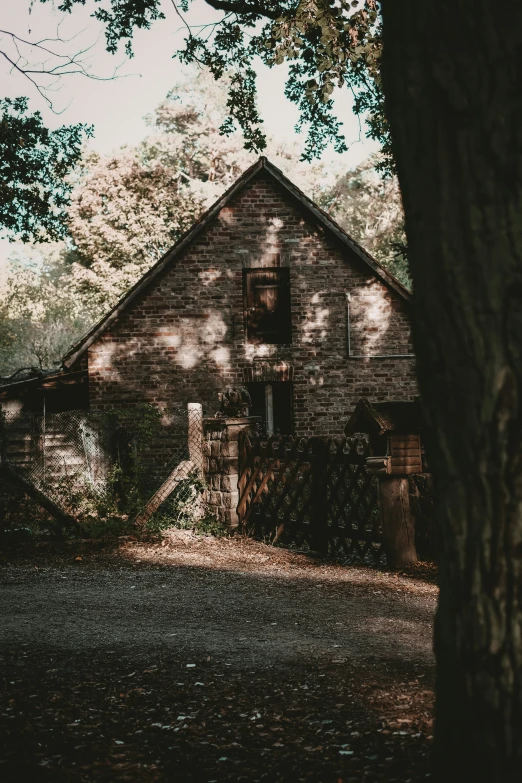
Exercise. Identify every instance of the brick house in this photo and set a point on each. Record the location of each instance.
(265, 291)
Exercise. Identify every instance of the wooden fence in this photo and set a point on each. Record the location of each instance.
(311, 493)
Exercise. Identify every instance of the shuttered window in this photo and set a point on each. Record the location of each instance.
(266, 296)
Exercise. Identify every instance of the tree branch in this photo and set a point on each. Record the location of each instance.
(254, 7)
(66, 64)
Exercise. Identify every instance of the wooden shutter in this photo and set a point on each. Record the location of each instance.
(267, 305)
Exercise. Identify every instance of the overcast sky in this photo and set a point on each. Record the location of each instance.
(116, 107)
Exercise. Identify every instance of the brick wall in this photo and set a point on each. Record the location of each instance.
(183, 340)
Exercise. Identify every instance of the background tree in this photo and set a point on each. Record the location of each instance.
(127, 209)
(125, 212)
(326, 44)
(35, 164)
(40, 312)
(369, 207)
(453, 81)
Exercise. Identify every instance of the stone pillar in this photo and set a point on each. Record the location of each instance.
(221, 464)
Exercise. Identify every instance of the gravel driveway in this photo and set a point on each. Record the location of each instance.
(195, 626)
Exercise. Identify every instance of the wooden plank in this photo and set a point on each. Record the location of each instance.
(38, 496)
(180, 473)
(269, 408)
(410, 460)
(287, 483)
(405, 460)
(264, 481)
(256, 467)
(403, 470)
(283, 465)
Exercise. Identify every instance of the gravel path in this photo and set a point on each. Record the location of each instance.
(230, 620)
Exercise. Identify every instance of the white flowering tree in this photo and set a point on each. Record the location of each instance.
(129, 208)
(40, 312)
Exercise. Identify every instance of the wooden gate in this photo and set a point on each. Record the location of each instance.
(310, 492)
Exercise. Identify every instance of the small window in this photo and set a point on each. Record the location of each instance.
(266, 296)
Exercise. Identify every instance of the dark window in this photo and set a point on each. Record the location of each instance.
(266, 296)
(273, 402)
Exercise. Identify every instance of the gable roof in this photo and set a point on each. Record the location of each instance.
(263, 164)
(380, 418)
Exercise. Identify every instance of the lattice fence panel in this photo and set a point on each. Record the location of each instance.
(310, 493)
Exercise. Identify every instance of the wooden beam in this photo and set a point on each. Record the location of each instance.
(38, 496)
(180, 473)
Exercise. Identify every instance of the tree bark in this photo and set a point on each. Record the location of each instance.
(453, 83)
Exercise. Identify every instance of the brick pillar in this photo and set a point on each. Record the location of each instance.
(221, 464)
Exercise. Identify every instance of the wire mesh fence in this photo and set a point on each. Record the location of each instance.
(111, 463)
(47, 448)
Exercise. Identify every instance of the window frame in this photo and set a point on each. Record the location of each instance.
(284, 336)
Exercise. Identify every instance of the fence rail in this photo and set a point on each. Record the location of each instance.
(313, 492)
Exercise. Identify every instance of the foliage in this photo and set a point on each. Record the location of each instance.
(326, 44)
(210, 526)
(180, 510)
(120, 18)
(20, 517)
(34, 167)
(133, 431)
(129, 208)
(40, 313)
(124, 215)
(369, 208)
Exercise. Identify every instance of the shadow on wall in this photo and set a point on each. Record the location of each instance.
(188, 351)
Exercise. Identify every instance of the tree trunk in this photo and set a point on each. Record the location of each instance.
(453, 84)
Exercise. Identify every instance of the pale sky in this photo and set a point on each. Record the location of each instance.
(117, 107)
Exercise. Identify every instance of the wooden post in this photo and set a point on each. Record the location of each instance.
(318, 521)
(195, 435)
(269, 409)
(397, 523)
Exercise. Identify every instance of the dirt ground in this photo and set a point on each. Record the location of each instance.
(208, 660)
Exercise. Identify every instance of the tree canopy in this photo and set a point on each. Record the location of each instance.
(41, 312)
(126, 209)
(34, 167)
(326, 44)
